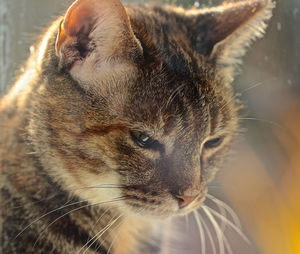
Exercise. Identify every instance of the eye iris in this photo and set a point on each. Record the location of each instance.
(141, 138)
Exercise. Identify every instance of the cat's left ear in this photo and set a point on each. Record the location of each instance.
(224, 33)
(95, 42)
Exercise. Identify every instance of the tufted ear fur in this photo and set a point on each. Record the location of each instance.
(95, 39)
(224, 33)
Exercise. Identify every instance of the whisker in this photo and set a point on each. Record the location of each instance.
(99, 234)
(213, 186)
(216, 228)
(187, 223)
(98, 220)
(94, 238)
(234, 227)
(200, 228)
(173, 95)
(46, 214)
(209, 236)
(76, 209)
(227, 245)
(109, 226)
(251, 87)
(223, 212)
(104, 186)
(265, 121)
(241, 93)
(231, 212)
(115, 237)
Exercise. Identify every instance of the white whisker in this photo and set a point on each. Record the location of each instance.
(115, 237)
(265, 121)
(251, 87)
(98, 220)
(209, 237)
(223, 212)
(202, 236)
(102, 186)
(229, 223)
(233, 215)
(227, 245)
(99, 234)
(76, 209)
(187, 223)
(240, 93)
(94, 238)
(173, 95)
(46, 214)
(217, 229)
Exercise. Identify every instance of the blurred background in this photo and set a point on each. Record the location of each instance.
(260, 179)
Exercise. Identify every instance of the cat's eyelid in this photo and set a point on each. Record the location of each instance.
(150, 143)
(145, 133)
(213, 142)
(155, 133)
(141, 136)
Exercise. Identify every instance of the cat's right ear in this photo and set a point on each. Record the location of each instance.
(95, 39)
(224, 33)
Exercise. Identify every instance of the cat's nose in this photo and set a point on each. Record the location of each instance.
(185, 200)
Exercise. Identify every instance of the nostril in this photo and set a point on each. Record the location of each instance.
(185, 200)
(180, 200)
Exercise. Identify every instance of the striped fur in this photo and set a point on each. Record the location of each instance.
(69, 166)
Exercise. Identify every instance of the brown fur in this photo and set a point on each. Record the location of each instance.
(66, 145)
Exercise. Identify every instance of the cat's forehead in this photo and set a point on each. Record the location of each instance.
(167, 104)
(162, 35)
(163, 104)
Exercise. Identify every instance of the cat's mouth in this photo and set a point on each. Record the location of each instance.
(153, 204)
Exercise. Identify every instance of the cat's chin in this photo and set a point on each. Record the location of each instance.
(151, 213)
(161, 216)
(162, 213)
(155, 215)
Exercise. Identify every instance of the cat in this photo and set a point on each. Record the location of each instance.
(121, 119)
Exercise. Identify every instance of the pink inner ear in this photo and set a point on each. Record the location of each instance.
(82, 16)
(82, 22)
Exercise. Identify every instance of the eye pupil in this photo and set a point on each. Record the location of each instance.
(213, 143)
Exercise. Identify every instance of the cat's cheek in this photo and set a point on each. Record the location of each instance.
(211, 167)
(97, 189)
(92, 187)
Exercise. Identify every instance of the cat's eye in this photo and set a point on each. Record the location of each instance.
(142, 139)
(213, 143)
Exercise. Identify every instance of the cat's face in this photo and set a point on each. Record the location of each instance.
(172, 133)
(166, 138)
(187, 143)
(146, 114)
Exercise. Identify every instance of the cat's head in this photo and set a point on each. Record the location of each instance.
(141, 104)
